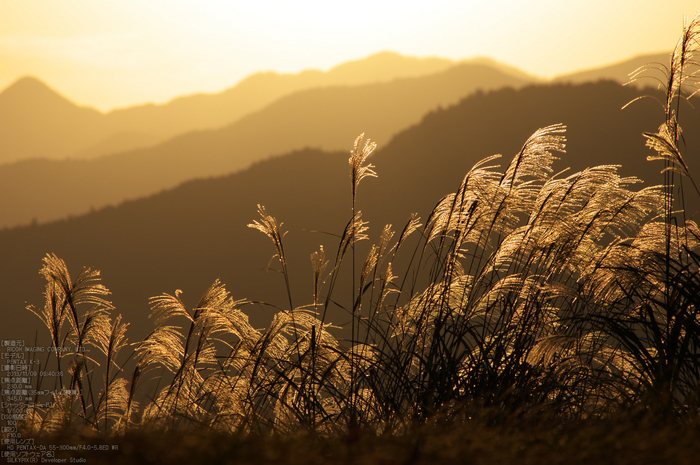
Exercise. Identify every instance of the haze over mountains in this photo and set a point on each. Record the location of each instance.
(316, 109)
(326, 117)
(189, 236)
(36, 121)
(619, 72)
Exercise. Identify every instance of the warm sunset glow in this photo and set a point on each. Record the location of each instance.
(108, 53)
(516, 281)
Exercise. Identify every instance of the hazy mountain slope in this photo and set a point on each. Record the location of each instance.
(324, 118)
(598, 133)
(36, 121)
(508, 69)
(619, 71)
(189, 236)
(205, 111)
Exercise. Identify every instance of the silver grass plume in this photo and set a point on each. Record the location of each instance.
(268, 226)
(358, 169)
(354, 231)
(411, 226)
(678, 72)
(63, 296)
(319, 265)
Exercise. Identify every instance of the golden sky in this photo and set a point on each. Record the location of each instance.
(113, 53)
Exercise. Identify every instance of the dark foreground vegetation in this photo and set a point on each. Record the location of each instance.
(479, 440)
(532, 316)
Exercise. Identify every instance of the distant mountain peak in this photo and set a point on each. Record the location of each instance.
(30, 92)
(386, 55)
(28, 84)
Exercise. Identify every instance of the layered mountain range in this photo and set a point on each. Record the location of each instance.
(37, 121)
(325, 117)
(58, 159)
(158, 196)
(187, 237)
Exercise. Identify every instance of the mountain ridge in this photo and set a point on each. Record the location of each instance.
(322, 117)
(153, 123)
(94, 133)
(187, 237)
(619, 71)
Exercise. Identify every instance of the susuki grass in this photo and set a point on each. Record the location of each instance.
(524, 293)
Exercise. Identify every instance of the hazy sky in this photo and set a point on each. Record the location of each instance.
(110, 53)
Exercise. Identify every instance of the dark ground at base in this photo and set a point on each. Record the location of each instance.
(471, 442)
